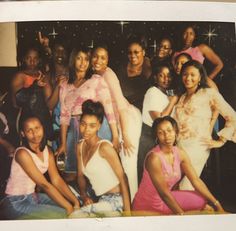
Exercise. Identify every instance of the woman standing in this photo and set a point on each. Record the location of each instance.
(199, 52)
(194, 115)
(163, 167)
(134, 75)
(128, 116)
(29, 164)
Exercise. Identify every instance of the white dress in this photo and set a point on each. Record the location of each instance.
(193, 118)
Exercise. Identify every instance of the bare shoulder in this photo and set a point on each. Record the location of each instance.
(106, 149)
(22, 154)
(153, 160)
(204, 48)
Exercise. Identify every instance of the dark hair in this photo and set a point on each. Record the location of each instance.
(140, 40)
(90, 107)
(188, 56)
(166, 37)
(24, 140)
(157, 69)
(201, 69)
(73, 54)
(160, 120)
(101, 46)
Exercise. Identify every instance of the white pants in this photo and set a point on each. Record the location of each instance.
(129, 163)
(198, 155)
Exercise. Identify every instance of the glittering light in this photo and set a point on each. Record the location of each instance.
(121, 23)
(210, 34)
(92, 45)
(54, 34)
(154, 45)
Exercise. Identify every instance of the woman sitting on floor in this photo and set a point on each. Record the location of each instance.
(163, 168)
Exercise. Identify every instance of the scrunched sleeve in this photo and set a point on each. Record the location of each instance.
(103, 95)
(115, 89)
(229, 130)
(65, 115)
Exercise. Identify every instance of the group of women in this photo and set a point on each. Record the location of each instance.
(108, 143)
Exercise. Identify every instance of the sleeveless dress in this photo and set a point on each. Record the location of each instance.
(148, 199)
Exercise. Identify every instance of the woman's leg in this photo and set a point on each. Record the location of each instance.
(129, 162)
(188, 201)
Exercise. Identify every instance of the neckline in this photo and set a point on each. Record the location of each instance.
(172, 166)
(97, 146)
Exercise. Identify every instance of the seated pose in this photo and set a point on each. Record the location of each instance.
(163, 167)
(99, 162)
(29, 164)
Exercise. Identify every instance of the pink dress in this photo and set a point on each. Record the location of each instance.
(194, 52)
(148, 199)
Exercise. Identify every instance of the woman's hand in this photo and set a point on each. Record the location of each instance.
(87, 200)
(210, 143)
(173, 99)
(62, 149)
(44, 41)
(127, 145)
(60, 80)
(116, 144)
(41, 79)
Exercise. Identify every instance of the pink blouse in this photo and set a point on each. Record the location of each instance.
(19, 183)
(147, 197)
(194, 52)
(194, 116)
(118, 100)
(72, 98)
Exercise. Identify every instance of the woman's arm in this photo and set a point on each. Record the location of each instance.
(213, 58)
(154, 168)
(197, 183)
(167, 110)
(16, 84)
(59, 183)
(63, 133)
(109, 153)
(81, 179)
(28, 165)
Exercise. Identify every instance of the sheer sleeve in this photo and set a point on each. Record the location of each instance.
(103, 95)
(218, 102)
(115, 89)
(65, 112)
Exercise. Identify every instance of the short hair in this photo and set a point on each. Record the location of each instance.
(188, 56)
(201, 69)
(90, 107)
(24, 140)
(159, 121)
(138, 40)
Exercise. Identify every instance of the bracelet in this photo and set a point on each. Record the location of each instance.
(216, 203)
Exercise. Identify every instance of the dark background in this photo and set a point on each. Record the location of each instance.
(220, 171)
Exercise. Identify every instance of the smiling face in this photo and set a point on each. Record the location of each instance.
(188, 36)
(33, 131)
(166, 133)
(164, 49)
(99, 60)
(89, 126)
(81, 62)
(31, 60)
(191, 78)
(59, 54)
(135, 54)
(182, 59)
(163, 78)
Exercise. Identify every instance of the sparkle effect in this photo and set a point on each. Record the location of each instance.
(54, 33)
(154, 45)
(210, 34)
(122, 25)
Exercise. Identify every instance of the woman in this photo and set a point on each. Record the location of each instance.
(156, 104)
(72, 94)
(134, 75)
(195, 117)
(29, 164)
(128, 117)
(199, 52)
(164, 52)
(181, 59)
(163, 167)
(99, 162)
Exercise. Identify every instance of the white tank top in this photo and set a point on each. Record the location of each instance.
(19, 183)
(99, 172)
